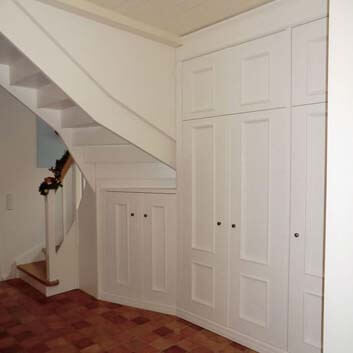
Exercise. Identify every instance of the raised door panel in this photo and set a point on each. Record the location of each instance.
(208, 85)
(310, 63)
(203, 218)
(159, 238)
(259, 225)
(121, 246)
(262, 74)
(308, 212)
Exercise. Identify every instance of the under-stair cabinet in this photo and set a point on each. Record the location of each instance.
(251, 188)
(139, 249)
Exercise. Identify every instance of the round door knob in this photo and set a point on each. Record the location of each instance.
(132, 214)
(234, 225)
(145, 215)
(296, 235)
(219, 223)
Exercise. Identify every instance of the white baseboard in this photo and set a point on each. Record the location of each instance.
(235, 336)
(160, 308)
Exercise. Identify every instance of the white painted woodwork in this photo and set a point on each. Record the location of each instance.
(8, 53)
(307, 219)
(90, 136)
(121, 261)
(250, 77)
(123, 108)
(75, 117)
(24, 73)
(179, 16)
(116, 154)
(259, 166)
(310, 63)
(52, 97)
(138, 252)
(159, 243)
(204, 254)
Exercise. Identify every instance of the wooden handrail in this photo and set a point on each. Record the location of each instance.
(70, 161)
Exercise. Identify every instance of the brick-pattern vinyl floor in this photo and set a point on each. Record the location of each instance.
(75, 322)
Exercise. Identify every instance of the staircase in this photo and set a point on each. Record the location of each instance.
(100, 130)
(57, 269)
(95, 126)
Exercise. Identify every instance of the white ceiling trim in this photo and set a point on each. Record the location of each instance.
(102, 15)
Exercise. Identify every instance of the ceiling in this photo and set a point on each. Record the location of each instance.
(179, 17)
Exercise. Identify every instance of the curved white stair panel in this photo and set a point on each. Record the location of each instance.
(77, 84)
(75, 117)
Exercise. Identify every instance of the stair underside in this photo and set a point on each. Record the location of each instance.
(38, 271)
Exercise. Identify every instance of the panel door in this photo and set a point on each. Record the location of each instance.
(307, 229)
(262, 77)
(259, 225)
(310, 63)
(122, 246)
(209, 85)
(159, 238)
(203, 223)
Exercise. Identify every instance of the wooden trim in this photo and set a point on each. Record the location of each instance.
(38, 271)
(66, 168)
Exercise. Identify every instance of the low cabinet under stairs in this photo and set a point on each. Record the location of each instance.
(139, 249)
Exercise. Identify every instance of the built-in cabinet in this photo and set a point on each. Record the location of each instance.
(307, 228)
(139, 249)
(249, 77)
(252, 189)
(251, 192)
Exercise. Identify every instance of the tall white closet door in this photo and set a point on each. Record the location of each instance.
(159, 239)
(307, 229)
(259, 225)
(121, 257)
(203, 221)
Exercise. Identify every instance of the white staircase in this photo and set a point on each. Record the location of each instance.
(87, 141)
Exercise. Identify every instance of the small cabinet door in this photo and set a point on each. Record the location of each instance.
(249, 77)
(310, 63)
(121, 258)
(159, 250)
(307, 229)
(262, 73)
(259, 225)
(204, 255)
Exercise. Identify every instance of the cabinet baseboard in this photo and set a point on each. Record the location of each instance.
(235, 336)
(160, 308)
(247, 341)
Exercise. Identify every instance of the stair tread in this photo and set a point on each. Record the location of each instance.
(38, 271)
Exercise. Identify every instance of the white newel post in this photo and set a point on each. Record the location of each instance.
(50, 234)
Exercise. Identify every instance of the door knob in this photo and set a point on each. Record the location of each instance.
(297, 235)
(145, 215)
(132, 214)
(219, 223)
(234, 225)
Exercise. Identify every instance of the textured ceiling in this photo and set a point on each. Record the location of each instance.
(179, 16)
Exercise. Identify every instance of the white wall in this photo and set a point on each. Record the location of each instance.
(88, 267)
(338, 319)
(23, 228)
(136, 71)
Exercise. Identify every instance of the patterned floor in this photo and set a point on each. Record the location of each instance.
(75, 322)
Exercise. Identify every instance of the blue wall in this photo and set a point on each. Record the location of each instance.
(49, 146)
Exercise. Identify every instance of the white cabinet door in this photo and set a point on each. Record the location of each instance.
(159, 238)
(203, 220)
(262, 77)
(121, 246)
(307, 229)
(310, 63)
(259, 225)
(250, 77)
